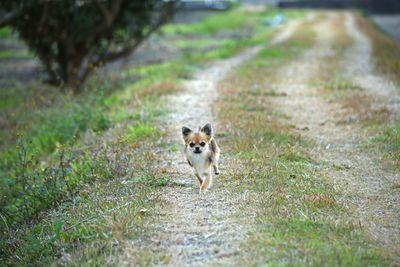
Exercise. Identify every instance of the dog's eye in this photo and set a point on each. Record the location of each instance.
(191, 144)
(202, 144)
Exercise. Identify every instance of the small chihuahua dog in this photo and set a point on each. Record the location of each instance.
(202, 152)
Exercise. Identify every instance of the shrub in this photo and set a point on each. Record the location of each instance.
(73, 37)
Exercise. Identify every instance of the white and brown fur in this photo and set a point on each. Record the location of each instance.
(202, 152)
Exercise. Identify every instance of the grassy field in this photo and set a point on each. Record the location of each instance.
(79, 174)
(64, 154)
(298, 216)
(73, 158)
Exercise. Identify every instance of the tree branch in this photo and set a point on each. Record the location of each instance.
(10, 17)
(109, 16)
(44, 17)
(163, 18)
(17, 12)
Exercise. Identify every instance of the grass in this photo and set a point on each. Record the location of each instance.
(341, 84)
(5, 32)
(380, 131)
(386, 50)
(297, 213)
(270, 57)
(199, 43)
(8, 33)
(72, 152)
(34, 130)
(94, 155)
(114, 167)
(389, 139)
(378, 122)
(239, 28)
(86, 226)
(360, 111)
(232, 20)
(11, 36)
(272, 53)
(6, 54)
(67, 148)
(142, 131)
(30, 116)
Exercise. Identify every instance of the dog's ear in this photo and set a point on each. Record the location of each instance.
(207, 130)
(185, 132)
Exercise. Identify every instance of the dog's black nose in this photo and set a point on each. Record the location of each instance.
(197, 149)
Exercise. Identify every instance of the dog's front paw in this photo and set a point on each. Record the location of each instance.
(202, 190)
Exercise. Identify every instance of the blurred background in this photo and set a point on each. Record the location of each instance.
(385, 13)
(18, 63)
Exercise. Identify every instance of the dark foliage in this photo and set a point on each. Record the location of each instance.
(73, 37)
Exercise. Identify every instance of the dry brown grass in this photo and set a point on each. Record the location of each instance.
(327, 75)
(299, 220)
(338, 29)
(159, 89)
(357, 105)
(247, 95)
(151, 92)
(386, 50)
(361, 106)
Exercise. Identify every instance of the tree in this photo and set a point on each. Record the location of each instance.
(73, 37)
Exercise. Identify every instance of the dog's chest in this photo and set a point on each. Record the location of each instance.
(199, 162)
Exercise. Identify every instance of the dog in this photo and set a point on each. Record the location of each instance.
(202, 152)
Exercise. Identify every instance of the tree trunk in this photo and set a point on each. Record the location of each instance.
(70, 65)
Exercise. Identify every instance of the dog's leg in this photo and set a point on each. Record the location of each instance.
(215, 163)
(216, 170)
(206, 183)
(199, 178)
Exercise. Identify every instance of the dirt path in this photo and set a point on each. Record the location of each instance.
(207, 229)
(198, 228)
(361, 71)
(361, 176)
(380, 204)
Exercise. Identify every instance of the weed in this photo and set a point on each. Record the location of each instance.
(34, 188)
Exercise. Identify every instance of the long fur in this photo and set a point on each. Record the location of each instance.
(202, 153)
